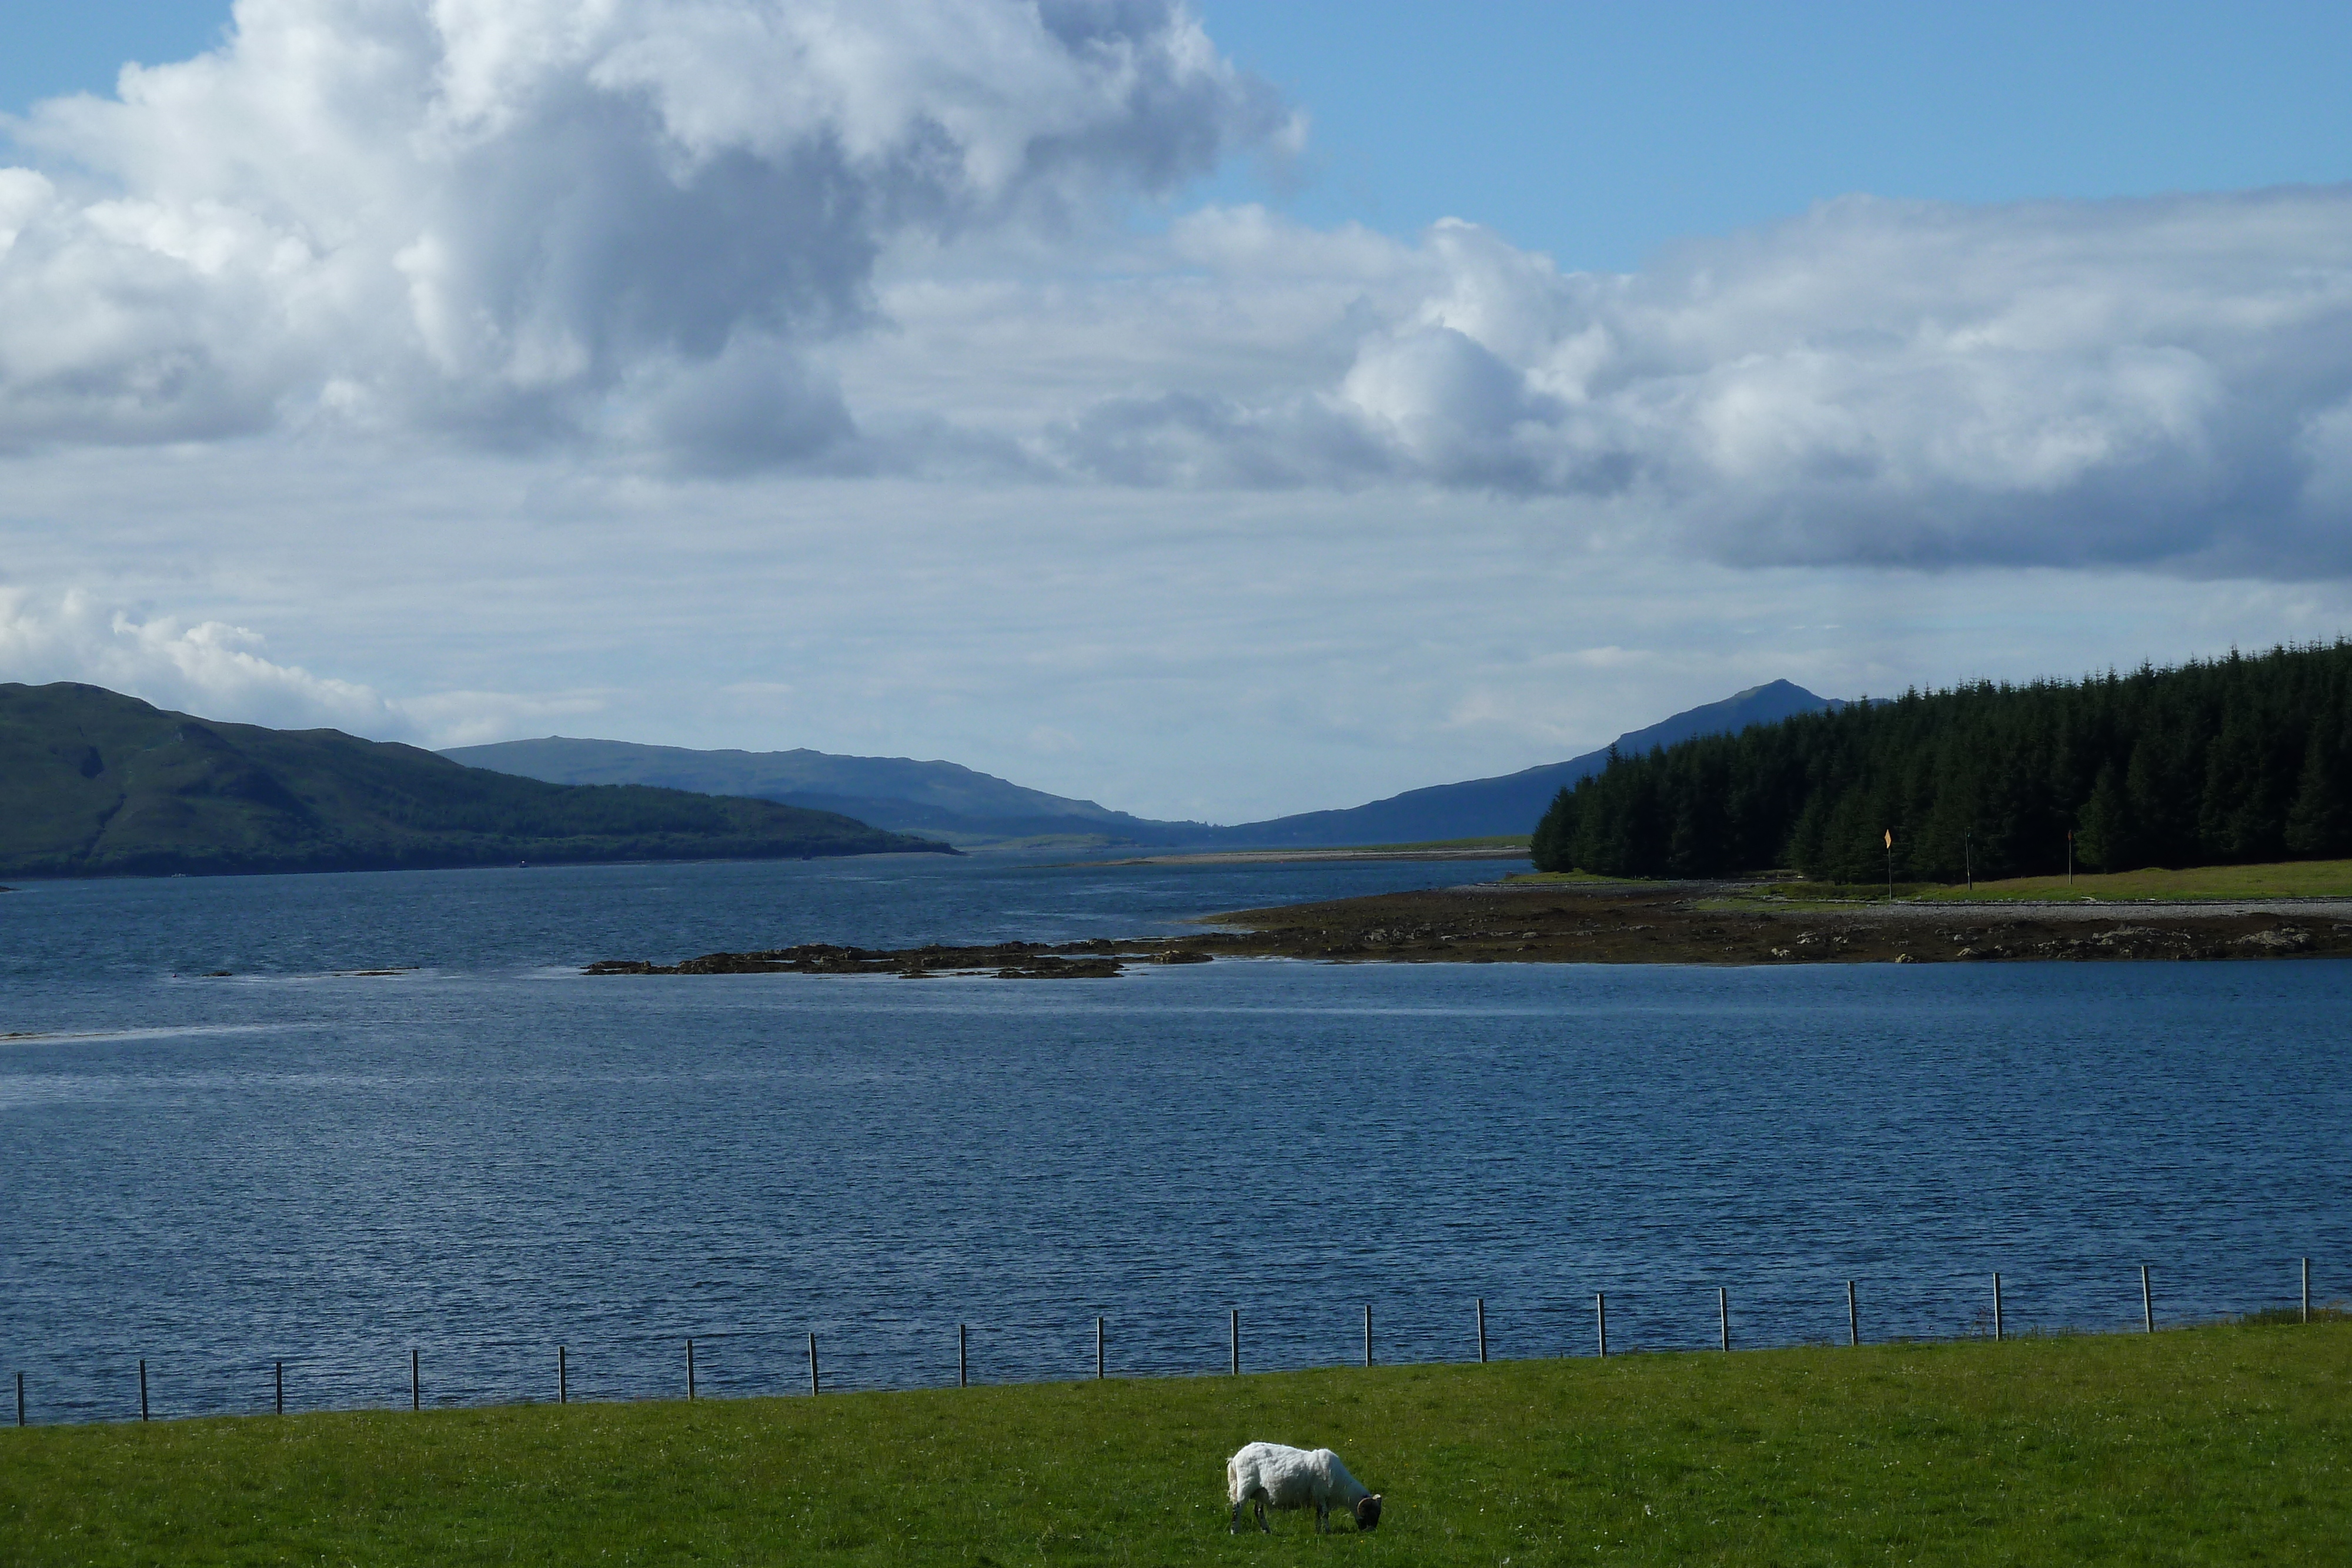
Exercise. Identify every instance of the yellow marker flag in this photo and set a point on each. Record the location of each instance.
(1890, 838)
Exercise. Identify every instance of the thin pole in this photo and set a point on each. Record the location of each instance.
(1852, 1317)
(562, 1377)
(1368, 1328)
(1723, 1311)
(20, 1399)
(964, 1367)
(281, 1388)
(2147, 1303)
(142, 1388)
(1482, 1331)
(2306, 1318)
(1997, 1333)
(1601, 1316)
(689, 1369)
(813, 1384)
(1236, 1331)
(415, 1392)
(1098, 1350)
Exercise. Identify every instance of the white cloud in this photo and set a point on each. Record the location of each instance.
(218, 671)
(209, 668)
(524, 221)
(728, 236)
(1879, 381)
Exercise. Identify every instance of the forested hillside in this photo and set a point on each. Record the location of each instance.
(2236, 759)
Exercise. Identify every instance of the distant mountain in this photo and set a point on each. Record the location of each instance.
(941, 798)
(93, 783)
(973, 808)
(1512, 803)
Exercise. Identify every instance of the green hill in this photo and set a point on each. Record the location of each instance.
(93, 783)
(2232, 761)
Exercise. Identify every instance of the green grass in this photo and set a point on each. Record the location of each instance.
(2220, 1445)
(2220, 883)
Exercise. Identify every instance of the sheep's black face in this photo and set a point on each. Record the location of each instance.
(1368, 1513)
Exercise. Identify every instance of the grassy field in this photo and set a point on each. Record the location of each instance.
(2284, 879)
(2220, 1445)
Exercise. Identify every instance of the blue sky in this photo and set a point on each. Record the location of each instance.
(950, 378)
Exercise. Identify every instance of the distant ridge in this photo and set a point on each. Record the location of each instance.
(94, 783)
(971, 808)
(1512, 802)
(944, 799)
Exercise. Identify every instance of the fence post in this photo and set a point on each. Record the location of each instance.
(1236, 1331)
(281, 1388)
(1601, 1315)
(2306, 1307)
(2147, 1303)
(1482, 1331)
(20, 1399)
(142, 1388)
(1723, 1313)
(963, 1370)
(1852, 1317)
(813, 1384)
(562, 1377)
(415, 1390)
(1997, 1333)
(1368, 1333)
(689, 1370)
(1099, 1349)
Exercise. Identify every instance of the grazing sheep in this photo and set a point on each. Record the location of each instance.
(1264, 1473)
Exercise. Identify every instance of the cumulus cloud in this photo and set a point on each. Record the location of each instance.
(219, 671)
(523, 222)
(209, 668)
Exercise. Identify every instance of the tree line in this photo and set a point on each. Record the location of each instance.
(2229, 760)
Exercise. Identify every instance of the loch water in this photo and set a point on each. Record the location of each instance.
(483, 1155)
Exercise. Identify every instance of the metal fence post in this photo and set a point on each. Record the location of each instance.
(1601, 1316)
(20, 1399)
(1368, 1333)
(964, 1370)
(281, 1388)
(1852, 1317)
(1098, 1350)
(1723, 1313)
(1236, 1332)
(562, 1377)
(142, 1388)
(415, 1388)
(1996, 1306)
(2147, 1303)
(813, 1384)
(1482, 1331)
(2306, 1303)
(689, 1370)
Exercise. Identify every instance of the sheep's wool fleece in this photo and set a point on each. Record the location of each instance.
(1292, 1477)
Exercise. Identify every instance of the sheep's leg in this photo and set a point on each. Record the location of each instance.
(1322, 1519)
(1234, 1527)
(1262, 1525)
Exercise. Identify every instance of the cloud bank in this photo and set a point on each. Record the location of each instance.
(727, 237)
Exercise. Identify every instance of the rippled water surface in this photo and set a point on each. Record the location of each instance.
(485, 1155)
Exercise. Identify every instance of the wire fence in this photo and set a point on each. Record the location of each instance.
(880, 1351)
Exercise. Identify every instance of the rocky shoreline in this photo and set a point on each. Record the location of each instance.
(1686, 922)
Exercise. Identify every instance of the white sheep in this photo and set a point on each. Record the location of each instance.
(1266, 1473)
